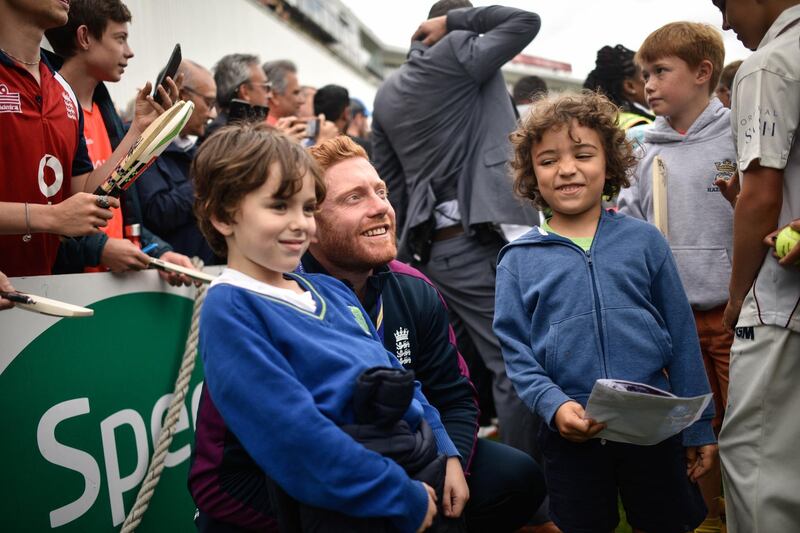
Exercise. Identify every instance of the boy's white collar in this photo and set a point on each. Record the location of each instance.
(233, 277)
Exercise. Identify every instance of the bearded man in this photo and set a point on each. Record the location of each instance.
(356, 244)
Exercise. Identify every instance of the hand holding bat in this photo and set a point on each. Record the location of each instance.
(154, 140)
(45, 306)
(5, 286)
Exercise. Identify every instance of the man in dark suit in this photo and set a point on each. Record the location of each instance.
(440, 139)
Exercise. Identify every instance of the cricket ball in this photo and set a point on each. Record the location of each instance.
(787, 239)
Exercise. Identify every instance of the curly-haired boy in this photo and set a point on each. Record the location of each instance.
(604, 301)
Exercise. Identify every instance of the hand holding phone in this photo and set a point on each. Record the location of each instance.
(312, 129)
(241, 111)
(168, 71)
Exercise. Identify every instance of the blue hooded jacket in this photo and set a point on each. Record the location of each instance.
(618, 311)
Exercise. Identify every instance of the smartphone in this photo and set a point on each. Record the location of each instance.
(241, 111)
(312, 128)
(170, 70)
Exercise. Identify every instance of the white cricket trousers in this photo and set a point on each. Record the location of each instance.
(760, 437)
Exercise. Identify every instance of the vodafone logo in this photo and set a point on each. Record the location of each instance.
(56, 170)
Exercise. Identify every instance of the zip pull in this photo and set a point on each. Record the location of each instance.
(589, 256)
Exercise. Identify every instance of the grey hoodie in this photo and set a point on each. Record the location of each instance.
(700, 218)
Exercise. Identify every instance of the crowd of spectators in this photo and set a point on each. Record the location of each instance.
(510, 296)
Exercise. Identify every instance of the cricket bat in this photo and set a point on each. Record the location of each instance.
(660, 196)
(147, 148)
(178, 269)
(45, 306)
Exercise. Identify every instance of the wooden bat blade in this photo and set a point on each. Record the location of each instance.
(147, 147)
(660, 213)
(48, 306)
(172, 267)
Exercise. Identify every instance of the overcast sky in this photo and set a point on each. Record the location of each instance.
(572, 30)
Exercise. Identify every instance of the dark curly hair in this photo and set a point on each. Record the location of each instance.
(590, 110)
(612, 67)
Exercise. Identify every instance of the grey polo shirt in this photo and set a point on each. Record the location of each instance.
(764, 119)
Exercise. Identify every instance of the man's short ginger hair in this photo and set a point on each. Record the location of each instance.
(335, 151)
(691, 42)
(238, 159)
(590, 110)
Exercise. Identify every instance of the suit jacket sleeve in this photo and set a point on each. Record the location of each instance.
(77, 253)
(497, 34)
(133, 215)
(390, 170)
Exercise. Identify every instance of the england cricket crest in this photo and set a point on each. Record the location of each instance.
(402, 346)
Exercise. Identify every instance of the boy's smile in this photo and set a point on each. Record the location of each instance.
(570, 167)
(356, 220)
(270, 234)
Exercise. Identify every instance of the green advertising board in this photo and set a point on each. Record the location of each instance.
(82, 401)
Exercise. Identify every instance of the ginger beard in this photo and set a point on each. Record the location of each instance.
(356, 249)
(356, 222)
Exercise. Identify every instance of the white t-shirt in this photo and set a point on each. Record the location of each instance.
(234, 277)
(764, 119)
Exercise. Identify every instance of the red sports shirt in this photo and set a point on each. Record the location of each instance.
(41, 148)
(99, 146)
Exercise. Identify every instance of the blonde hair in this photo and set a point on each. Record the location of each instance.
(691, 42)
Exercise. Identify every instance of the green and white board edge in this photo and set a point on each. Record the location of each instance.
(82, 401)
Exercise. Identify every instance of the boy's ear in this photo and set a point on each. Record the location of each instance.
(704, 72)
(225, 228)
(82, 37)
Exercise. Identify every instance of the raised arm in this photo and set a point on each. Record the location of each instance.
(79, 214)
(146, 111)
(500, 33)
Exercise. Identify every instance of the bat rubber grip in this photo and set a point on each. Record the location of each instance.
(114, 192)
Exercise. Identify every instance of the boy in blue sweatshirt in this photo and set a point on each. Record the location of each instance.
(691, 141)
(604, 301)
(282, 352)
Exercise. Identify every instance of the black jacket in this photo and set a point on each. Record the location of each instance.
(417, 331)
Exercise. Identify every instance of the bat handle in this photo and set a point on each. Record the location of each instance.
(115, 191)
(16, 297)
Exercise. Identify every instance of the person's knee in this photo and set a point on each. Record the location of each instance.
(507, 474)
